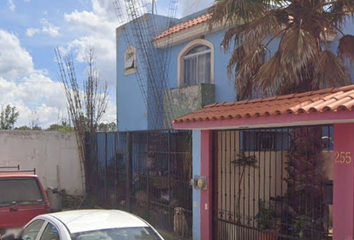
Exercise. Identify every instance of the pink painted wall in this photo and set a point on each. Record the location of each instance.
(343, 196)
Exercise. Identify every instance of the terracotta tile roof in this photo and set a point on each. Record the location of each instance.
(326, 100)
(184, 25)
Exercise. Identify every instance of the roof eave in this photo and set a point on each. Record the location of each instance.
(185, 35)
(301, 119)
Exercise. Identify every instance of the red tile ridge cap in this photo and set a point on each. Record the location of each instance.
(185, 25)
(289, 96)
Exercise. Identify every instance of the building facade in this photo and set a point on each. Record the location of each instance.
(167, 68)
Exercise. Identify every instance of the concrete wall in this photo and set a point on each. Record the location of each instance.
(53, 154)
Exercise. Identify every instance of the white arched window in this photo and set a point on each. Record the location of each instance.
(196, 63)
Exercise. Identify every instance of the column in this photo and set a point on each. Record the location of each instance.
(196, 192)
(343, 193)
(206, 207)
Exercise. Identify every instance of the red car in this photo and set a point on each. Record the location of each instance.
(22, 197)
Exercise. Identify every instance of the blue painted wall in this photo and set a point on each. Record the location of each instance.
(196, 193)
(224, 89)
(132, 110)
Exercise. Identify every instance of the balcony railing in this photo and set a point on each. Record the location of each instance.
(180, 101)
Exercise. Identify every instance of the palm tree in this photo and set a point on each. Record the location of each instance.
(299, 29)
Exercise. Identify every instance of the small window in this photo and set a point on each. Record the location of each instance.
(130, 61)
(197, 66)
(264, 141)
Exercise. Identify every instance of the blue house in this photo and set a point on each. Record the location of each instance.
(167, 68)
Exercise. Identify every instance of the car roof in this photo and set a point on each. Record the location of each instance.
(90, 220)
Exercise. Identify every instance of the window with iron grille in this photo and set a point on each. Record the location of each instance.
(256, 140)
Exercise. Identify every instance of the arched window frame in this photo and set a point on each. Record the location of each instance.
(130, 51)
(183, 53)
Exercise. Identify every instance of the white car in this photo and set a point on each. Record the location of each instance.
(87, 225)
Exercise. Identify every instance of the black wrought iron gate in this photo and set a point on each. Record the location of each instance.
(273, 184)
(147, 173)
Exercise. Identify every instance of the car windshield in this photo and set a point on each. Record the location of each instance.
(133, 233)
(20, 191)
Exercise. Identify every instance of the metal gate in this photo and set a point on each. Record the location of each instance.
(273, 184)
(146, 172)
(161, 172)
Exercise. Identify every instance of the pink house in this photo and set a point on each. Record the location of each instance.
(235, 195)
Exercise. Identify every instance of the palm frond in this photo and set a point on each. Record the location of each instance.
(257, 31)
(346, 48)
(339, 11)
(252, 34)
(236, 11)
(299, 49)
(331, 71)
(342, 5)
(246, 66)
(270, 75)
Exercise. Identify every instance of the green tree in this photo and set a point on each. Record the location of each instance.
(299, 29)
(60, 128)
(23, 128)
(107, 127)
(8, 117)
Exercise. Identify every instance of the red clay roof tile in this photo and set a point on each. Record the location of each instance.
(188, 24)
(331, 99)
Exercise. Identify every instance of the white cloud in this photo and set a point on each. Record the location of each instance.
(47, 28)
(30, 89)
(25, 87)
(97, 29)
(15, 61)
(32, 31)
(11, 5)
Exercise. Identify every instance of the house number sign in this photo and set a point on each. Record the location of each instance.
(343, 157)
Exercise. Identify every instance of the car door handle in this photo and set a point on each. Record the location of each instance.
(13, 209)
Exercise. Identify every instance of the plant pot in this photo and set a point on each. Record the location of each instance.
(268, 235)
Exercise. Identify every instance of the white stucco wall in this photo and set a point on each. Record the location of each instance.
(53, 154)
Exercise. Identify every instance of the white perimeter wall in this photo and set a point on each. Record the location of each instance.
(53, 154)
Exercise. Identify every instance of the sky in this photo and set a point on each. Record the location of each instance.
(30, 30)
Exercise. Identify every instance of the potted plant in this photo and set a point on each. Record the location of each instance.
(305, 227)
(268, 224)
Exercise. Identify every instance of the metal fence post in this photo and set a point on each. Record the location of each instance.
(129, 172)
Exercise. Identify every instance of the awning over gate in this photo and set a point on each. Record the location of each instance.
(332, 105)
